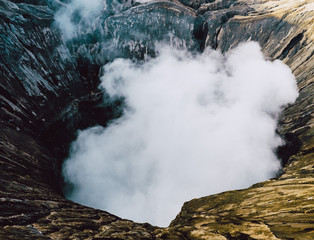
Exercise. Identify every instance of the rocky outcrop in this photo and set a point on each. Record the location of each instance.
(48, 90)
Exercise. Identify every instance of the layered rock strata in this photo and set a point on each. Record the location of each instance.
(48, 90)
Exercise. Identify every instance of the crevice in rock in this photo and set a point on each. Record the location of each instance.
(293, 43)
(291, 147)
(215, 45)
(200, 32)
(224, 19)
(240, 236)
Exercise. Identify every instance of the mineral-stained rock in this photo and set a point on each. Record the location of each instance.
(48, 90)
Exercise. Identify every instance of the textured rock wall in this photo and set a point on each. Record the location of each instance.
(45, 95)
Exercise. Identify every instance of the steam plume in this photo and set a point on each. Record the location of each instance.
(78, 15)
(192, 126)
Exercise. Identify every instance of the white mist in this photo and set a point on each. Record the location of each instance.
(193, 126)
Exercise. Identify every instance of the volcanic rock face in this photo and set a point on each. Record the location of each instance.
(48, 90)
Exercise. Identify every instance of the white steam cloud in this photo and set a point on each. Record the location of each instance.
(193, 126)
(78, 14)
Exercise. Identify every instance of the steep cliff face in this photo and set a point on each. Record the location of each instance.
(48, 90)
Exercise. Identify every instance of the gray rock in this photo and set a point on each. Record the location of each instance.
(48, 90)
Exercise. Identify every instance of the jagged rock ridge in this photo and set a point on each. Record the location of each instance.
(46, 85)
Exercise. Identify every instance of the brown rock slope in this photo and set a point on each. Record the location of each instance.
(32, 205)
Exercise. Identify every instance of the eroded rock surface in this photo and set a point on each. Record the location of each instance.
(48, 90)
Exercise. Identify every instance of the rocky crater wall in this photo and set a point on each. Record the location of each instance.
(49, 88)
